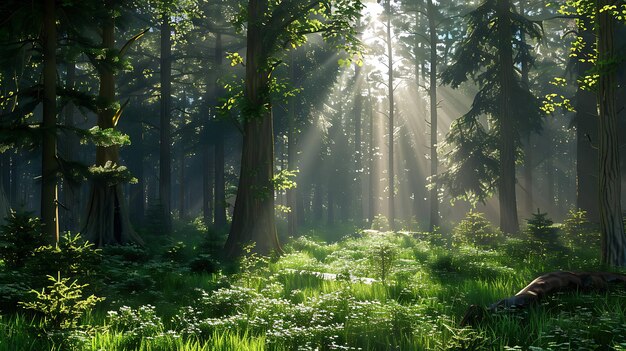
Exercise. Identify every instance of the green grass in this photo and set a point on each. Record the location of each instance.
(315, 297)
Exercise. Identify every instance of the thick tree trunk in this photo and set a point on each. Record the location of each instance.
(165, 150)
(49, 165)
(434, 157)
(253, 217)
(390, 82)
(506, 189)
(107, 220)
(611, 225)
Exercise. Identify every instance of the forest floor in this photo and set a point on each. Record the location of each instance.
(369, 290)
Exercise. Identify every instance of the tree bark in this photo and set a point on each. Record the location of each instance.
(611, 225)
(49, 165)
(165, 150)
(434, 159)
(506, 190)
(253, 217)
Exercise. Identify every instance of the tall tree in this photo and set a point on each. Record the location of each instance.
(165, 150)
(107, 220)
(269, 30)
(586, 122)
(611, 224)
(483, 156)
(432, 91)
(49, 165)
(391, 131)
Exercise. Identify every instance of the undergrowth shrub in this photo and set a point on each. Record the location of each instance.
(73, 257)
(578, 231)
(60, 305)
(135, 324)
(542, 231)
(475, 229)
(382, 258)
(380, 223)
(19, 238)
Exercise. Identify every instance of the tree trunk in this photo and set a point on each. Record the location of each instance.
(506, 190)
(434, 159)
(611, 225)
(372, 210)
(5, 208)
(358, 148)
(137, 191)
(390, 168)
(49, 165)
(586, 121)
(182, 182)
(165, 150)
(529, 205)
(71, 190)
(220, 182)
(253, 217)
(107, 220)
(292, 194)
(207, 184)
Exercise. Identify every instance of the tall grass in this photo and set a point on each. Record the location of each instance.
(317, 297)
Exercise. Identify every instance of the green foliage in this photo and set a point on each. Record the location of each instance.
(111, 174)
(541, 228)
(472, 147)
(475, 229)
(105, 137)
(175, 252)
(19, 238)
(73, 257)
(579, 232)
(382, 257)
(61, 305)
(380, 223)
(135, 324)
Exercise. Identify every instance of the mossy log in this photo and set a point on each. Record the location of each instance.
(546, 285)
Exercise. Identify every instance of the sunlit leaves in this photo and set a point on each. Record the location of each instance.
(234, 58)
(104, 137)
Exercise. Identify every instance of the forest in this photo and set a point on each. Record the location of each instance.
(203, 175)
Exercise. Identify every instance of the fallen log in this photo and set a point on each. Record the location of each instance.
(545, 285)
